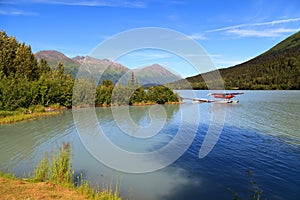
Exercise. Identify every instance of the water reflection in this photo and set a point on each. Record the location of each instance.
(135, 152)
(260, 134)
(141, 116)
(23, 144)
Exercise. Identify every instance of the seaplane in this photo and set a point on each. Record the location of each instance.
(196, 100)
(226, 97)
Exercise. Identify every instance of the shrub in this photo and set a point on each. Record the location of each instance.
(4, 113)
(61, 169)
(42, 170)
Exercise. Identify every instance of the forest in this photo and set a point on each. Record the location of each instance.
(26, 83)
(276, 69)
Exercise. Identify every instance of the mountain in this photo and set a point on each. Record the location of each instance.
(155, 75)
(149, 76)
(54, 57)
(277, 68)
(109, 70)
(113, 70)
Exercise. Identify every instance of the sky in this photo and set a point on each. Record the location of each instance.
(229, 31)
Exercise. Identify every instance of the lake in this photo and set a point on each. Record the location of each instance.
(261, 133)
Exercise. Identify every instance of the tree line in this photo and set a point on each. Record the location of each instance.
(108, 93)
(278, 68)
(25, 81)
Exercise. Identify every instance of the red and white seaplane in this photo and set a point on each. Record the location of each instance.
(226, 97)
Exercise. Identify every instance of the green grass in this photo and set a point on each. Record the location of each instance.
(7, 175)
(22, 114)
(22, 117)
(101, 193)
(41, 172)
(60, 172)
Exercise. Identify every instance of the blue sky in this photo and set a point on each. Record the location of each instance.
(230, 31)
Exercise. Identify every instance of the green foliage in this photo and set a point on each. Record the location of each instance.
(105, 193)
(37, 108)
(4, 113)
(17, 117)
(59, 171)
(104, 93)
(10, 176)
(121, 95)
(84, 92)
(162, 94)
(31, 85)
(41, 171)
(138, 96)
(24, 82)
(134, 94)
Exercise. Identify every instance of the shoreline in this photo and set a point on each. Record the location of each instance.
(15, 188)
(27, 117)
(53, 111)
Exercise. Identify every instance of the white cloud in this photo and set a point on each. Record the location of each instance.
(17, 12)
(261, 29)
(256, 24)
(92, 3)
(261, 33)
(197, 36)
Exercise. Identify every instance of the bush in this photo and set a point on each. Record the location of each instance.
(4, 113)
(42, 170)
(60, 170)
(37, 108)
(162, 95)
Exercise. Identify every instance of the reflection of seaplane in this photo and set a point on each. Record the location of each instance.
(226, 98)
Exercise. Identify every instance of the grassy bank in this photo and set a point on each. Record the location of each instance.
(21, 189)
(34, 112)
(53, 179)
(22, 117)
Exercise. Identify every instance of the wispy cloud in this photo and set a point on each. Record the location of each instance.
(256, 24)
(197, 36)
(92, 3)
(261, 29)
(17, 12)
(261, 33)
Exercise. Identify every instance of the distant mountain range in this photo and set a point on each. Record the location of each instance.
(109, 70)
(277, 68)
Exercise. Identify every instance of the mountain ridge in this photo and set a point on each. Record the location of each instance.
(277, 68)
(154, 74)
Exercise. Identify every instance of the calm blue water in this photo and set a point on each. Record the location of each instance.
(261, 134)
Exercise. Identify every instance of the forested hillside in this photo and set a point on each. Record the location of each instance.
(278, 68)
